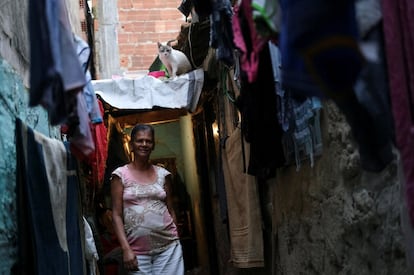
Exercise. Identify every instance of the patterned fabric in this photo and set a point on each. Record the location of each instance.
(149, 226)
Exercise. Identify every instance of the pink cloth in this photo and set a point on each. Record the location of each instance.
(157, 74)
(149, 227)
(399, 43)
(249, 59)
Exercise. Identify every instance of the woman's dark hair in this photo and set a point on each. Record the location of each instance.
(142, 127)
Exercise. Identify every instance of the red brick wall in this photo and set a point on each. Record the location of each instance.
(141, 24)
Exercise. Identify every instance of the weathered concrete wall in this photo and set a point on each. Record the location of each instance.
(14, 46)
(335, 218)
(106, 39)
(13, 104)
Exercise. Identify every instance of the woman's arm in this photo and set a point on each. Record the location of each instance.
(117, 190)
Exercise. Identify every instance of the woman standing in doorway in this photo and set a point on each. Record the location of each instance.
(142, 211)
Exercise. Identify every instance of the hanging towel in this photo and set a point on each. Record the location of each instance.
(245, 222)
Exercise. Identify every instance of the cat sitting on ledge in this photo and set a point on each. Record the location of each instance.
(174, 60)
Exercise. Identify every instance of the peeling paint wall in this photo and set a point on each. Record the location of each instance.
(14, 46)
(14, 56)
(13, 104)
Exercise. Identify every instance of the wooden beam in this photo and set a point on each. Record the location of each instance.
(153, 116)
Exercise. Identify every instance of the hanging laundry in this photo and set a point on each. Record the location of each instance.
(78, 131)
(245, 218)
(318, 41)
(247, 40)
(372, 85)
(321, 57)
(56, 76)
(282, 103)
(84, 54)
(258, 107)
(267, 16)
(97, 160)
(91, 253)
(79, 127)
(398, 27)
(49, 240)
(221, 32)
(303, 139)
(299, 118)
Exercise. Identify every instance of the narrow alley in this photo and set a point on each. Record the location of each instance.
(284, 131)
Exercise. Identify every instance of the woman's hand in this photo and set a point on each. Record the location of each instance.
(130, 260)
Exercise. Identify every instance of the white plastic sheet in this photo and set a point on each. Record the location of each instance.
(146, 92)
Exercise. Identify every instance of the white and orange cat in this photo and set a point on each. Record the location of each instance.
(174, 60)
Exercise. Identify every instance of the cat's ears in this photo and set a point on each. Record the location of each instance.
(168, 43)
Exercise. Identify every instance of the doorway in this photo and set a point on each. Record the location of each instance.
(175, 150)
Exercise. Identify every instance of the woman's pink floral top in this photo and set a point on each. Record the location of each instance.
(149, 226)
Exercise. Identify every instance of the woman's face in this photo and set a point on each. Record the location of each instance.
(143, 143)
